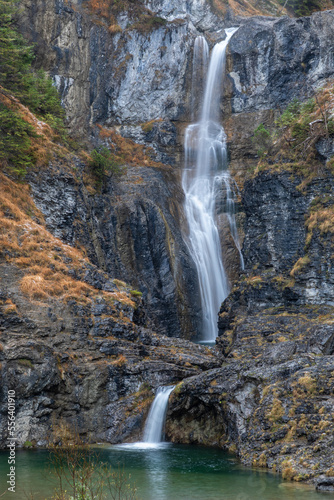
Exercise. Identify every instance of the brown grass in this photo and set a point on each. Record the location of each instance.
(299, 265)
(120, 361)
(46, 259)
(322, 219)
(127, 151)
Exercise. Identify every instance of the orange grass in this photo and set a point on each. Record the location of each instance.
(127, 151)
(46, 259)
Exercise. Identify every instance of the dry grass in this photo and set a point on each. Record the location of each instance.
(120, 361)
(296, 134)
(46, 259)
(322, 219)
(127, 151)
(249, 7)
(277, 411)
(299, 265)
(9, 307)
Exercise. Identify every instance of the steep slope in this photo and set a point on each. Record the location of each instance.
(74, 345)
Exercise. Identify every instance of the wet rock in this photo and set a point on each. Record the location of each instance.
(133, 230)
(325, 484)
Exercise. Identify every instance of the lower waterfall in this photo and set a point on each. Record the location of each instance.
(204, 176)
(155, 422)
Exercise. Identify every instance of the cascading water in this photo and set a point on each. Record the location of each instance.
(200, 67)
(153, 432)
(205, 172)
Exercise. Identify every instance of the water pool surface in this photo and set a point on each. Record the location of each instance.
(164, 472)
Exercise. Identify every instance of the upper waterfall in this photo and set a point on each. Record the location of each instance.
(206, 170)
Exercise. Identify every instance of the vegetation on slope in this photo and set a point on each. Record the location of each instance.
(140, 17)
(292, 143)
(272, 7)
(50, 268)
(20, 84)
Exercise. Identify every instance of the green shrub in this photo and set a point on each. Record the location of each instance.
(34, 89)
(303, 7)
(289, 115)
(15, 141)
(262, 139)
(104, 162)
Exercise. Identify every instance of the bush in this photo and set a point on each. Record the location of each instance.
(104, 162)
(82, 476)
(289, 115)
(15, 141)
(262, 140)
(303, 7)
(34, 89)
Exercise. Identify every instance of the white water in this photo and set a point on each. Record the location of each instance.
(154, 426)
(199, 72)
(204, 176)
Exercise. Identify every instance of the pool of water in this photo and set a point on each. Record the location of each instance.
(165, 472)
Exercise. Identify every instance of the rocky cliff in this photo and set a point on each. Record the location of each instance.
(272, 400)
(88, 350)
(136, 80)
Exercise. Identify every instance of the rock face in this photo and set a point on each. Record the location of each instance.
(197, 12)
(272, 400)
(138, 80)
(273, 60)
(84, 366)
(132, 230)
(130, 77)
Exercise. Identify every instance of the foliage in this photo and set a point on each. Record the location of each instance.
(303, 7)
(141, 18)
(289, 115)
(297, 132)
(104, 162)
(15, 55)
(15, 141)
(33, 89)
(262, 140)
(147, 22)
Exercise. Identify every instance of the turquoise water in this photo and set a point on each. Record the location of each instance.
(165, 472)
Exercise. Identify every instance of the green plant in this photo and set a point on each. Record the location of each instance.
(104, 162)
(15, 141)
(262, 140)
(34, 89)
(289, 115)
(302, 7)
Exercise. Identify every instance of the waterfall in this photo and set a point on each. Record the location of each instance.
(154, 426)
(200, 67)
(204, 175)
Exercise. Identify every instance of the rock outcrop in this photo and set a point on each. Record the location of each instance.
(132, 230)
(272, 400)
(266, 391)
